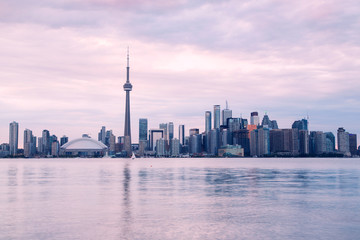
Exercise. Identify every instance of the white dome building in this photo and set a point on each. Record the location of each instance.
(83, 147)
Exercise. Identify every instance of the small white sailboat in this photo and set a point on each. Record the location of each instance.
(133, 156)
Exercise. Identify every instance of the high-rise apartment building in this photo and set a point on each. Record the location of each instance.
(46, 143)
(254, 118)
(29, 143)
(102, 135)
(13, 138)
(64, 139)
(217, 116)
(207, 121)
(260, 142)
(170, 131)
(343, 141)
(143, 129)
(353, 144)
(182, 134)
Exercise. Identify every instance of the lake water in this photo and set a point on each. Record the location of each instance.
(180, 199)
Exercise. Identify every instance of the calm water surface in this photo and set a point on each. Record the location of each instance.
(180, 199)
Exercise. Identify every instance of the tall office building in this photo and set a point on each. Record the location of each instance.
(182, 134)
(260, 142)
(226, 113)
(254, 118)
(63, 140)
(29, 143)
(207, 121)
(330, 142)
(170, 131)
(127, 128)
(353, 144)
(102, 135)
(13, 138)
(343, 141)
(143, 128)
(46, 142)
(217, 116)
(175, 147)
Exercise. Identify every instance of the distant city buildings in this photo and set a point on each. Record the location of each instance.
(234, 138)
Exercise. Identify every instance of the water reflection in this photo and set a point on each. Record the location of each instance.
(127, 205)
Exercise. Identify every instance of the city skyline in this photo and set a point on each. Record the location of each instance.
(65, 73)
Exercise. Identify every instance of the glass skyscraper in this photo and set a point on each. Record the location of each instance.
(13, 138)
(207, 121)
(217, 116)
(143, 129)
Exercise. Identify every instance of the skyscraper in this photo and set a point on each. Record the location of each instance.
(29, 142)
(13, 138)
(207, 121)
(171, 131)
(182, 134)
(343, 141)
(226, 113)
(254, 118)
(217, 116)
(143, 128)
(127, 129)
(102, 134)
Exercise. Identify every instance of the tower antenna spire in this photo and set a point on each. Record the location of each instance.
(128, 56)
(227, 104)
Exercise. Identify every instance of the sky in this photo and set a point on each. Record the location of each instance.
(63, 63)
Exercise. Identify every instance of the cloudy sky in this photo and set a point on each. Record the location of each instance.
(62, 63)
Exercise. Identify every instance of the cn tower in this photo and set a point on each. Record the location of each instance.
(127, 130)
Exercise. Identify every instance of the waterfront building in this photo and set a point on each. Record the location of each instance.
(143, 129)
(260, 142)
(241, 137)
(214, 141)
(46, 143)
(254, 118)
(13, 138)
(154, 135)
(64, 139)
(303, 142)
(353, 144)
(182, 134)
(226, 113)
(29, 143)
(343, 141)
(207, 121)
(4, 150)
(161, 147)
(330, 142)
(55, 148)
(84, 147)
(284, 141)
(127, 128)
(217, 116)
(175, 147)
(195, 144)
(231, 151)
